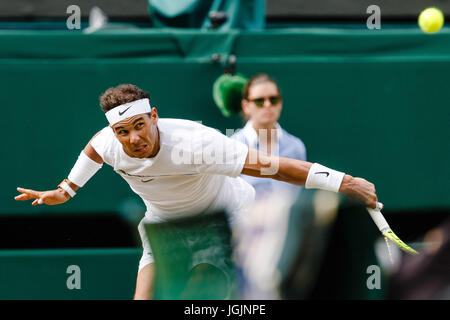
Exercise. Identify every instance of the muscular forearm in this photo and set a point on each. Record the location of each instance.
(314, 176)
(292, 171)
(296, 172)
(289, 170)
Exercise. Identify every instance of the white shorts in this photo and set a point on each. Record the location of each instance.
(147, 256)
(204, 247)
(236, 197)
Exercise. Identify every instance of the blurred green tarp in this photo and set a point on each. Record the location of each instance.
(369, 103)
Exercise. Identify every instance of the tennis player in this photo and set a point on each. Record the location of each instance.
(180, 167)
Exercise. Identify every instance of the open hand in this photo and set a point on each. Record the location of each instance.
(51, 197)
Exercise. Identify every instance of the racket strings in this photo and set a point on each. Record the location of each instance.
(389, 249)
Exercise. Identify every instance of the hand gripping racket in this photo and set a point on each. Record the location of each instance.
(386, 231)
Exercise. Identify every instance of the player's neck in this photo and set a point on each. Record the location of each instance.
(157, 145)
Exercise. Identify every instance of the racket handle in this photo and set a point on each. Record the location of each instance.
(378, 218)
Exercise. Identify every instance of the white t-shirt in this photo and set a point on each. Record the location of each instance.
(196, 170)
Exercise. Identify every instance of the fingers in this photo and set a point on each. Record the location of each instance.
(38, 201)
(22, 197)
(32, 193)
(372, 200)
(27, 194)
(369, 195)
(366, 193)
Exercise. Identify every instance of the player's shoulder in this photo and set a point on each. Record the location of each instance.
(104, 134)
(179, 133)
(169, 124)
(106, 131)
(176, 128)
(190, 135)
(104, 142)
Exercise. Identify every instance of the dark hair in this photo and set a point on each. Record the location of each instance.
(257, 79)
(121, 94)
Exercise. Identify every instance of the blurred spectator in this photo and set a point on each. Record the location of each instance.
(263, 230)
(425, 276)
(261, 105)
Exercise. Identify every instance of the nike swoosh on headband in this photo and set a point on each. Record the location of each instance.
(121, 113)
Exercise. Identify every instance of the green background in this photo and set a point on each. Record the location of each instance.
(373, 104)
(44, 274)
(369, 103)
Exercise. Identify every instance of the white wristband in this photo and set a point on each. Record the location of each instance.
(65, 186)
(83, 170)
(321, 177)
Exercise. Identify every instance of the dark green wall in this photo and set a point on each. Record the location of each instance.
(43, 274)
(370, 103)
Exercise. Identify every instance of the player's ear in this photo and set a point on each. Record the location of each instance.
(154, 114)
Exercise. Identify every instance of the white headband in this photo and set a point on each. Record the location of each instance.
(127, 110)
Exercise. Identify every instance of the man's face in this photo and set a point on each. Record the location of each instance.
(139, 135)
(263, 105)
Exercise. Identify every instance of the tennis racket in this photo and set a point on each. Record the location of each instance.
(386, 231)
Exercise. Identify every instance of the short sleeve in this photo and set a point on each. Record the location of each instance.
(219, 154)
(102, 143)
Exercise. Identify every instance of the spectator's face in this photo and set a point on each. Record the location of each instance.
(263, 105)
(138, 135)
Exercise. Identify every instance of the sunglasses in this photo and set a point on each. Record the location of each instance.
(259, 102)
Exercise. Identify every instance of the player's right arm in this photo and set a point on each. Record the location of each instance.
(310, 175)
(87, 164)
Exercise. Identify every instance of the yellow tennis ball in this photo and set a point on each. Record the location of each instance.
(431, 20)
